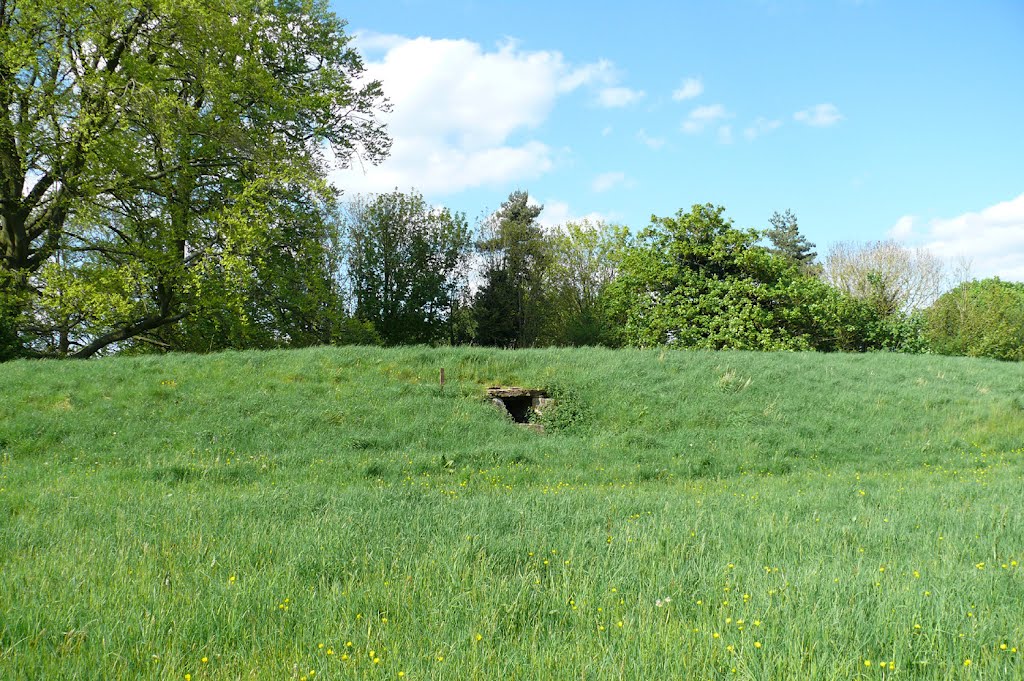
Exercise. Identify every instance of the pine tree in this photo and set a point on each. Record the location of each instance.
(790, 244)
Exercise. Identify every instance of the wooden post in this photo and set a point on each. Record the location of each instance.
(442, 379)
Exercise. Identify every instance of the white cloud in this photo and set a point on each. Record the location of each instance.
(992, 239)
(690, 88)
(819, 116)
(455, 107)
(702, 117)
(617, 97)
(903, 229)
(652, 142)
(607, 181)
(600, 72)
(725, 134)
(557, 213)
(759, 127)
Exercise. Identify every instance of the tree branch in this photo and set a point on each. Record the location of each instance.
(124, 333)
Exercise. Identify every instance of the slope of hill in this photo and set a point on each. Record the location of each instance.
(334, 511)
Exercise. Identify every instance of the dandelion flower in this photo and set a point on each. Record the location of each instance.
(967, 662)
(757, 644)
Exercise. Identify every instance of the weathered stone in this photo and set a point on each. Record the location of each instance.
(520, 403)
(514, 391)
(542, 403)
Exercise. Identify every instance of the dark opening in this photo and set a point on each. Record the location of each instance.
(522, 404)
(518, 407)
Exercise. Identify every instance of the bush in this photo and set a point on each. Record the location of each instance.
(979, 319)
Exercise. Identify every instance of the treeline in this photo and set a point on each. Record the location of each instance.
(164, 187)
(692, 280)
(392, 269)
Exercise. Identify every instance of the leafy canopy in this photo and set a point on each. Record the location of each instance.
(147, 146)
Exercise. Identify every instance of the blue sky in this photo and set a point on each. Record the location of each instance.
(869, 120)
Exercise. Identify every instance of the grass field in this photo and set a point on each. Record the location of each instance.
(332, 513)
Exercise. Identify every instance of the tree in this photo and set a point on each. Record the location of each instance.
(585, 258)
(787, 241)
(979, 319)
(284, 292)
(146, 143)
(695, 281)
(892, 278)
(509, 306)
(407, 264)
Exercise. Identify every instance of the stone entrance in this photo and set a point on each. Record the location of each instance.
(519, 403)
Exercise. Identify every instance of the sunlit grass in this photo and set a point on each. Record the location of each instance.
(334, 514)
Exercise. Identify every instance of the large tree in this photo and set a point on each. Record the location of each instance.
(407, 263)
(585, 258)
(695, 281)
(891, 277)
(146, 144)
(509, 305)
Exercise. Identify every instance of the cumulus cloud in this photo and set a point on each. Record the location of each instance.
(819, 116)
(457, 106)
(703, 116)
(607, 181)
(690, 88)
(759, 127)
(618, 97)
(991, 240)
(557, 213)
(651, 142)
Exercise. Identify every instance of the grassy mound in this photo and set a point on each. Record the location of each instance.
(334, 513)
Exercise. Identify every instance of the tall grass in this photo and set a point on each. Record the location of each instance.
(335, 513)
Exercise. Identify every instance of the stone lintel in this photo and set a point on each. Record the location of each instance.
(514, 391)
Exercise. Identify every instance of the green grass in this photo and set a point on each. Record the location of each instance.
(281, 513)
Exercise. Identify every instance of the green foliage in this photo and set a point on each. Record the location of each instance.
(584, 260)
(510, 305)
(12, 307)
(787, 242)
(407, 263)
(979, 319)
(859, 507)
(163, 141)
(570, 411)
(695, 281)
